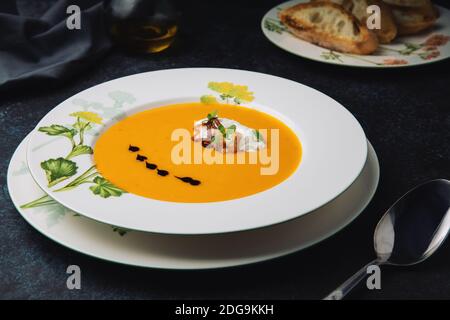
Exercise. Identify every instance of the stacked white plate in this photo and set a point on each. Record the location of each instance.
(335, 181)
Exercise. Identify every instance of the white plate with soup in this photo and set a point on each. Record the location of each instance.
(196, 151)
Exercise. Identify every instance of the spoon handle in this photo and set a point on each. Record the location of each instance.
(351, 282)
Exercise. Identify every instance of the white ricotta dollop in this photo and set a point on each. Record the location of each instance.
(243, 139)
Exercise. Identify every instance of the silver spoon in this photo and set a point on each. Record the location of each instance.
(409, 232)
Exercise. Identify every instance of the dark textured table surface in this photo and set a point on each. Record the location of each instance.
(405, 114)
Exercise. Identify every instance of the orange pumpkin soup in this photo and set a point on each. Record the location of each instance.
(138, 154)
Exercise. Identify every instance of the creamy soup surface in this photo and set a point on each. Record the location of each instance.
(158, 177)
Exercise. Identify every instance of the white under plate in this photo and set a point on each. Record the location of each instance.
(186, 252)
(405, 51)
(334, 152)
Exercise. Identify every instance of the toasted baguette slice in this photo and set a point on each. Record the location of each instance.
(329, 25)
(407, 3)
(413, 20)
(388, 30)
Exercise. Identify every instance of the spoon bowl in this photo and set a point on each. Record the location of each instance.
(410, 231)
(415, 226)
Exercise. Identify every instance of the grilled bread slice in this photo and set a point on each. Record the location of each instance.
(411, 20)
(388, 30)
(329, 25)
(358, 8)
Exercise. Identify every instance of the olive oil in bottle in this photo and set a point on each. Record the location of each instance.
(143, 25)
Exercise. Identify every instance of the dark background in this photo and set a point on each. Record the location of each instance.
(405, 114)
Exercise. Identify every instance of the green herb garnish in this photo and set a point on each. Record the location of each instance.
(212, 115)
(214, 121)
(222, 129)
(230, 130)
(257, 135)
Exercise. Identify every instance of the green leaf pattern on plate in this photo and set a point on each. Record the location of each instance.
(58, 170)
(62, 168)
(79, 150)
(105, 189)
(58, 130)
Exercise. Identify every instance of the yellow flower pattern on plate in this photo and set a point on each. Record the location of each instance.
(88, 116)
(228, 90)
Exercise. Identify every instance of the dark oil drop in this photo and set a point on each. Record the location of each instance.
(150, 166)
(141, 158)
(163, 173)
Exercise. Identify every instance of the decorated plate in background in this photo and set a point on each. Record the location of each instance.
(428, 46)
